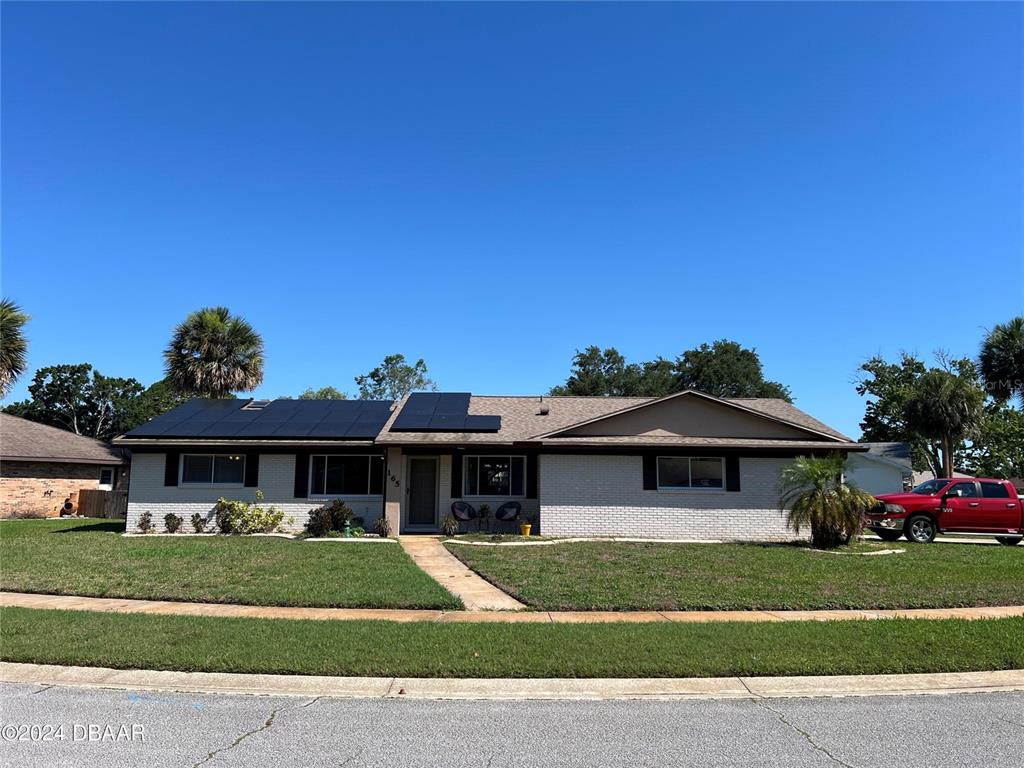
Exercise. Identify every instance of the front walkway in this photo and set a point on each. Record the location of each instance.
(169, 607)
(447, 570)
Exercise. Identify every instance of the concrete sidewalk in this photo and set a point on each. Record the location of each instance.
(168, 607)
(513, 688)
(442, 566)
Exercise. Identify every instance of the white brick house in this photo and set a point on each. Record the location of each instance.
(688, 465)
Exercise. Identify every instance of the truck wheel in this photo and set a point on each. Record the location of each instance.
(920, 529)
(1009, 541)
(888, 535)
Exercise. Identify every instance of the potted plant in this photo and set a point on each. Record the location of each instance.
(485, 513)
(526, 526)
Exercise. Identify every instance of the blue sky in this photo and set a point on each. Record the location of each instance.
(492, 186)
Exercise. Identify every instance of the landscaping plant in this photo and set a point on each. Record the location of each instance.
(246, 517)
(450, 526)
(145, 522)
(812, 494)
(198, 522)
(172, 522)
(382, 527)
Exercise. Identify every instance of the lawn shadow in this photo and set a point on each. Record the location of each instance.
(111, 526)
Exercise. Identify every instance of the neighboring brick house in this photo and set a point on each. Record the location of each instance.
(687, 465)
(41, 466)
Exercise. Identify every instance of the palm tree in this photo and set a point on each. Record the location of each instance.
(213, 354)
(13, 345)
(1002, 360)
(812, 494)
(946, 408)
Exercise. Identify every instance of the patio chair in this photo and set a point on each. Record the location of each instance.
(463, 511)
(508, 511)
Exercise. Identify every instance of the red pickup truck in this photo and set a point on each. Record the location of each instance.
(961, 505)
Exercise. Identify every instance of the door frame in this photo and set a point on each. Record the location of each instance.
(408, 527)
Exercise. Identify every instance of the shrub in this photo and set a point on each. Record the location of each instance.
(450, 526)
(359, 531)
(246, 517)
(172, 522)
(319, 523)
(198, 522)
(146, 522)
(28, 514)
(382, 527)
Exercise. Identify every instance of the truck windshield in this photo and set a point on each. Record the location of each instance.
(930, 487)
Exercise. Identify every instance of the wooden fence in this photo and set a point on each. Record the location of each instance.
(93, 503)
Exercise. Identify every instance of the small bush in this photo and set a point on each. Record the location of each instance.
(245, 517)
(450, 526)
(172, 522)
(319, 523)
(359, 531)
(145, 522)
(382, 527)
(198, 522)
(28, 514)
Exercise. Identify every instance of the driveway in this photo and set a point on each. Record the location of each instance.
(189, 730)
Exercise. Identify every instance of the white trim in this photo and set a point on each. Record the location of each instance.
(478, 495)
(361, 496)
(181, 472)
(689, 469)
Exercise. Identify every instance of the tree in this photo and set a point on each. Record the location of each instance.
(998, 448)
(1002, 360)
(13, 345)
(394, 378)
(597, 372)
(80, 400)
(945, 407)
(213, 354)
(324, 393)
(158, 398)
(812, 494)
(725, 369)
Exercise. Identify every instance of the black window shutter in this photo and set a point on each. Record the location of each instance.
(456, 476)
(650, 472)
(252, 470)
(531, 476)
(171, 467)
(301, 475)
(732, 473)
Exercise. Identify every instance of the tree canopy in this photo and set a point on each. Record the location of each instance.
(213, 354)
(324, 393)
(722, 369)
(394, 378)
(13, 345)
(1002, 360)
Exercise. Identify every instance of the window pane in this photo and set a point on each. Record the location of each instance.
(518, 475)
(106, 476)
(673, 472)
(966, 490)
(316, 484)
(471, 475)
(994, 491)
(196, 469)
(494, 475)
(228, 469)
(348, 475)
(376, 475)
(706, 473)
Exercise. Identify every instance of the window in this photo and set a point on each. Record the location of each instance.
(994, 491)
(346, 476)
(929, 487)
(210, 469)
(683, 472)
(967, 490)
(494, 475)
(107, 476)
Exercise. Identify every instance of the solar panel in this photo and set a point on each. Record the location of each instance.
(442, 412)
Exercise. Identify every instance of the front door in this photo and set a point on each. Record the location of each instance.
(422, 492)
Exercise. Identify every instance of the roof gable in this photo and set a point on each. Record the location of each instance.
(694, 414)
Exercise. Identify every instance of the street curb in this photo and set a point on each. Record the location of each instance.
(598, 689)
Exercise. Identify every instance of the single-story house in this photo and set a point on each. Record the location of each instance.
(686, 465)
(884, 468)
(41, 466)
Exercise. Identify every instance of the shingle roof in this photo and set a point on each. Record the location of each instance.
(21, 439)
(894, 453)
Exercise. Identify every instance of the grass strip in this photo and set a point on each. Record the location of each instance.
(378, 648)
(620, 576)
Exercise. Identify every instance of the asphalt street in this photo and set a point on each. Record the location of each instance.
(123, 728)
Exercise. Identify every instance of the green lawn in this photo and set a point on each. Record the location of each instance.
(426, 649)
(90, 557)
(633, 576)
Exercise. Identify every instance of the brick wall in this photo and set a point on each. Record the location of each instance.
(42, 486)
(276, 480)
(597, 495)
